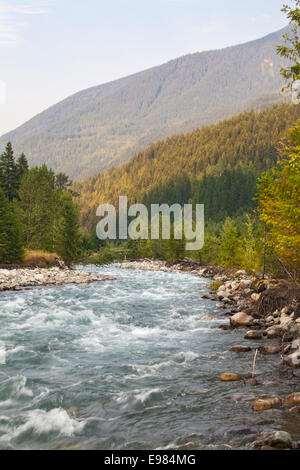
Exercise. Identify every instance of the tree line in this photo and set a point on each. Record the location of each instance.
(37, 211)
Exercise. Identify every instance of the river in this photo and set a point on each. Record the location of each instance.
(129, 364)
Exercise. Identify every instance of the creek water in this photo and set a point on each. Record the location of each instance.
(130, 364)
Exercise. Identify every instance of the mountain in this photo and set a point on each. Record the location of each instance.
(105, 125)
(246, 142)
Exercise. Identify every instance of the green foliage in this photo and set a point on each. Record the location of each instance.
(67, 237)
(11, 172)
(48, 215)
(221, 160)
(8, 173)
(291, 48)
(105, 125)
(11, 250)
(279, 203)
(36, 208)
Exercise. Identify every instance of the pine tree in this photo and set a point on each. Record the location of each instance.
(11, 250)
(8, 173)
(36, 208)
(67, 229)
(230, 244)
(22, 168)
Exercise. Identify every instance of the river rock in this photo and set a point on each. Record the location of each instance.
(275, 440)
(231, 377)
(255, 297)
(292, 399)
(241, 319)
(295, 410)
(261, 404)
(295, 344)
(274, 331)
(281, 440)
(240, 349)
(254, 334)
(241, 272)
(293, 360)
(270, 349)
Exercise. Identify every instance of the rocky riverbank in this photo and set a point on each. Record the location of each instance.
(17, 279)
(264, 310)
(268, 309)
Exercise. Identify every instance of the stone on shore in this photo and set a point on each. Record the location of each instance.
(292, 399)
(55, 276)
(254, 334)
(270, 349)
(274, 331)
(241, 319)
(240, 349)
(293, 360)
(295, 410)
(275, 440)
(231, 378)
(262, 404)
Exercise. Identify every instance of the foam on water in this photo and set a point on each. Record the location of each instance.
(133, 362)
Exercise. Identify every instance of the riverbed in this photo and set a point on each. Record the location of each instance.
(130, 364)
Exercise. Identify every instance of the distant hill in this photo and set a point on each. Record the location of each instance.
(105, 125)
(247, 142)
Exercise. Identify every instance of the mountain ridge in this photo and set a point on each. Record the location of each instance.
(104, 125)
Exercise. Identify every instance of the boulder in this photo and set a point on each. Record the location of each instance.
(261, 404)
(275, 440)
(293, 360)
(270, 349)
(295, 410)
(240, 349)
(285, 321)
(241, 272)
(295, 344)
(281, 440)
(274, 331)
(241, 319)
(292, 399)
(254, 334)
(255, 297)
(231, 377)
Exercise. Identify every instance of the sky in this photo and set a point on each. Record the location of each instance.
(50, 49)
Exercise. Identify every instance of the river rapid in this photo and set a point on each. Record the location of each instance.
(130, 364)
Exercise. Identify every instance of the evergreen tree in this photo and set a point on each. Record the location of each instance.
(8, 173)
(67, 235)
(230, 244)
(22, 168)
(11, 250)
(36, 208)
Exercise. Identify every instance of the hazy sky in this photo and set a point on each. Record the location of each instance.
(51, 49)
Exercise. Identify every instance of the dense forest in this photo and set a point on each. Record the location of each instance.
(228, 156)
(104, 126)
(37, 211)
(248, 182)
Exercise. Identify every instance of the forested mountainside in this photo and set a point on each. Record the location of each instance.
(242, 146)
(105, 125)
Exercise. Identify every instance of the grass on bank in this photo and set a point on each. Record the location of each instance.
(41, 259)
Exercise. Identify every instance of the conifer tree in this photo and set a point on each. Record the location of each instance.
(67, 235)
(11, 250)
(22, 168)
(36, 208)
(8, 173)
